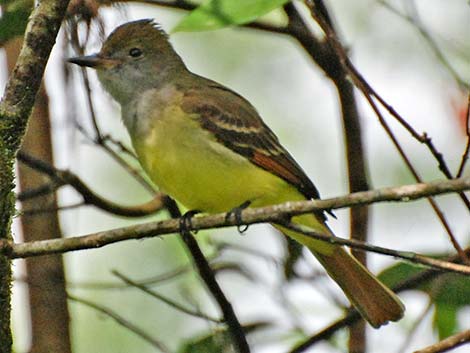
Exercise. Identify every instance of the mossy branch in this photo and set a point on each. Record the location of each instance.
(15, 108)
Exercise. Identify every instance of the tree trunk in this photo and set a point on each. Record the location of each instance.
(46, 280)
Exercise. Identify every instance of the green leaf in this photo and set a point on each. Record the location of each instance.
(218, 341)
(293, 254)
(449, 293)
(215, 14)
(14, 19)
(445, 319)
(451, 289)
(397, 273)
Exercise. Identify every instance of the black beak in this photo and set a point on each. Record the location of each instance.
(89, 60)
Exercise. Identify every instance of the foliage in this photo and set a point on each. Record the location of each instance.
(217, 341)
(215, 14)
(14, 19)
(448, 293)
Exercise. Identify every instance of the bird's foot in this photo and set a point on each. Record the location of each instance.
(237, 213)
(186, 221)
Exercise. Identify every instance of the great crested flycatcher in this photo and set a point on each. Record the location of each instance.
(207, 147)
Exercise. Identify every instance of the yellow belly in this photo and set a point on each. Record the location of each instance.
(188, 164)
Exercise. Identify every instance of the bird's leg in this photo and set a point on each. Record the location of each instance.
(237, 213)
(186, 221)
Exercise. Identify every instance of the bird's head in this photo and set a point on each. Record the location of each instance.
(136, 56)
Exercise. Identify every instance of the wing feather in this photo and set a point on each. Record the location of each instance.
(236, 124)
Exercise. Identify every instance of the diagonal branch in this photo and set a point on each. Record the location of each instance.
(65, 177)
(164, 299)
(122, 321)
(406, 255)
(447, 344)
(208, 277)
(415, 21)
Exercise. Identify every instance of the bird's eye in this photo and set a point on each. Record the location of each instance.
(135, 52)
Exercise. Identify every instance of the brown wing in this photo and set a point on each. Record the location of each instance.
(236, 124)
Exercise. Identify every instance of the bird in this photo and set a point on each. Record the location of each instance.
(207, 147)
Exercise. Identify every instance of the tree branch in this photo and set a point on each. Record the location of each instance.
(123, 322)
(361, 245)
(448, 343)
(164, 299)
(276, 213)
(415, 21)
(352, 317)
(208, 277)
(65, 177)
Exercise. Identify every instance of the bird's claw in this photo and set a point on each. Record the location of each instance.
(237, 213)
(185, 221)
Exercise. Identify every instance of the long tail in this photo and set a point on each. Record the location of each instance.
(375, 302)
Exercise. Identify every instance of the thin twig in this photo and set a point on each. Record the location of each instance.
(417, 177)
(249, 251)
(416, 22)
(120, 145)
(414, 328)
(423, 138)
(352, 317)
(360, 245)
(148, 282)
(34, 211)
(65, 177)
(123, 322)
(135, 173)
(164, 299)
(447, 344)
(112, 285)
(79, 48)
(42, 190)
(86, 82)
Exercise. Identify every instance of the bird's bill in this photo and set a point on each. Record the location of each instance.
(95, 61)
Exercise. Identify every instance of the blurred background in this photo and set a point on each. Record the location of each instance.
(300, 104)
